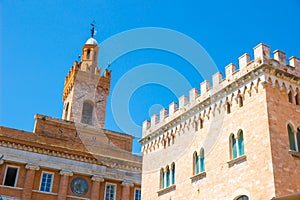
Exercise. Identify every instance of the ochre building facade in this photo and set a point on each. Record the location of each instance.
(73, 157)
(238, 139)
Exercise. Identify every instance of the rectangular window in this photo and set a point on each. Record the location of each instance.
(11, 176)
(110, 192)
(46, 182)
(137, 194)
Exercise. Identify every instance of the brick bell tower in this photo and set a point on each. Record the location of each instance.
(85, 89)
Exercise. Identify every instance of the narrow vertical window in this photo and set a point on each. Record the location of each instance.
(196, 163)
(137, 194)
(233, 147)
(87, 113)
(168, 177)
(162, 178)
(298, 139)
(110, 192)
(297, 99)
(241, 143)
(88, 54)
(202, 164)
(46, 182)
(290, 95)
(291, 138)
(11, 176)
(173, 173)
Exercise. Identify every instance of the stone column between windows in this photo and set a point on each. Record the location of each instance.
(126, 189)
(29, 180)
(63, 184)
(95, 194)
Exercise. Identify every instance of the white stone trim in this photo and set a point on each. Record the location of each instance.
(17, 175)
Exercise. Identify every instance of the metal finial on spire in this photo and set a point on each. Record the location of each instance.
(93, 32)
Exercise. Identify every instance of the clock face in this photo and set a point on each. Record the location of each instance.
(79, 186)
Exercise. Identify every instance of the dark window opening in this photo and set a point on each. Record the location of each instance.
(290, 97)
(297, 99)
(88, 54)
(11, 176)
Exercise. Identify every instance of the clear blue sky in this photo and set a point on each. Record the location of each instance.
(39, 41)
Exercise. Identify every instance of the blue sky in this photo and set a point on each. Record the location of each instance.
(39, 41)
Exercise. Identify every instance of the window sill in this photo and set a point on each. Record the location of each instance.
(38, 191)
(237, 160)
(17, 188)
(166, 190)
(198, 176)
(294, 153)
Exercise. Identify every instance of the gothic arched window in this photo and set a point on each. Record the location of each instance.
(233, 147)
(243, 197)
(240, 143)
(202, 164)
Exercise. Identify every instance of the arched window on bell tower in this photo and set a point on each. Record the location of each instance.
(87, 113)
(88, 54)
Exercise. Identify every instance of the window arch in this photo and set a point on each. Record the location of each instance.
(240, 143)
(87, 113)
(290, 96)
(162, 178)
(202, 164)
(296, 99)
(88, 54)
(243, 197)
(167, 176)
(173, 173)
(233, 152)
(291, 137)
(196, 163)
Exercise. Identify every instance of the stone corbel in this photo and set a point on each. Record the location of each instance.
(97, 178)
(32, 167)
(66, 173)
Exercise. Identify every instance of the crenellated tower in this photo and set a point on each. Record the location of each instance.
(85, 89)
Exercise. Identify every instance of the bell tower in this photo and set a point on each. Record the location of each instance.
(85, 89)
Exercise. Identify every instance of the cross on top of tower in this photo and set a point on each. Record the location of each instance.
(93, 32)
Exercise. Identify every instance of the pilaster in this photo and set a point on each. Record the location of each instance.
(63, 184)
(29, 179)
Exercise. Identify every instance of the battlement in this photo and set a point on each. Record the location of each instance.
(104, 80)
(261, 58)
